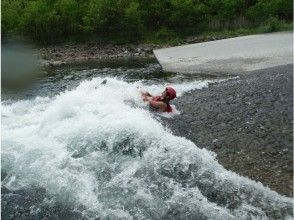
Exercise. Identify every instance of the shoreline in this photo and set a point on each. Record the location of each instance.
(67, 54)
(54, 56)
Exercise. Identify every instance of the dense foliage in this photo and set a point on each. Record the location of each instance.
(48, 21)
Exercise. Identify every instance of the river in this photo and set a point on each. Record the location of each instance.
(81, 144)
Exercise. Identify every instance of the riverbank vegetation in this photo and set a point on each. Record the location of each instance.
(139, 21)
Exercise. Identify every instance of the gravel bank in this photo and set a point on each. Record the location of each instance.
(248, 122)
(72, 53)
(59, 55)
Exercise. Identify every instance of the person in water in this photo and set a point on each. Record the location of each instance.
(160, 103)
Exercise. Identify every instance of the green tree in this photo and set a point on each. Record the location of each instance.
(264, 9)
(10, 16)
(41, 21)
(69, 15)
(50, 21)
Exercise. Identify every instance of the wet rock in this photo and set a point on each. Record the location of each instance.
(58, 55)
(148, 49)
(254, 138)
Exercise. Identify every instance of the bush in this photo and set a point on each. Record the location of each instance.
(118, 20)
(41, 22)
(133, 24)
(69, 15)
(272, 24)
(165, 34)
(264, 9)
(50, 21)
(10, 19)
(186, 16)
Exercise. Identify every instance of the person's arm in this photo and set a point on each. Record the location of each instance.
(146, 96)
(157, 105)
(146, 93)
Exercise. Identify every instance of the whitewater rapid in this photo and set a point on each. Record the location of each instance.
(99, 149)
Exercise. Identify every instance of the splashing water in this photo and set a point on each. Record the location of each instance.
(99, 149)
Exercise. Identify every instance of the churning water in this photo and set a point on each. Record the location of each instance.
(97, 150)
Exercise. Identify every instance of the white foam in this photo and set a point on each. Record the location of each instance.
(100, 147)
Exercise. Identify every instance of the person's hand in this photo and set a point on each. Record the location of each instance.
(145, 98)
(145, 93)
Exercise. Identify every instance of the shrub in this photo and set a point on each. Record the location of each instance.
(10, 16)
(264, 9)
(50, 21)
(272, 24)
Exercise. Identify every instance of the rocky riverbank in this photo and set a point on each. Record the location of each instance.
(59, 55)
(248, 122)
(66, 54)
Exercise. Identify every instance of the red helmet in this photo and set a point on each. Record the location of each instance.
(171, 92)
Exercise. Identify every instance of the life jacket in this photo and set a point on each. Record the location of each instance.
(160, 99)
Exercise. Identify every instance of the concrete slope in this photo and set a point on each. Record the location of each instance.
(234, 55)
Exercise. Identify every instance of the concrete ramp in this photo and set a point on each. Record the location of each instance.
(234, 55)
